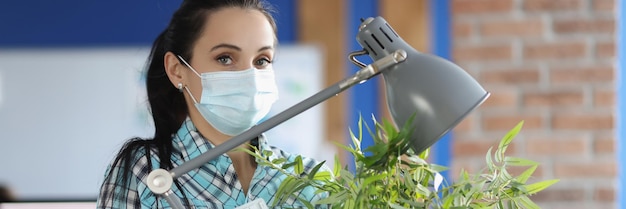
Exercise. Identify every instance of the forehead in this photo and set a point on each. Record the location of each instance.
(241, 27)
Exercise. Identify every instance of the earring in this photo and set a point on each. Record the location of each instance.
(180, 87)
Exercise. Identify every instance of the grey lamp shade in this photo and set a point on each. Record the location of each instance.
(437, 91)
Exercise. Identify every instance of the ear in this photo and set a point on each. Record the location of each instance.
(173, 69)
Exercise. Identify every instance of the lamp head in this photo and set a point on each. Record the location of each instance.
(437, 91)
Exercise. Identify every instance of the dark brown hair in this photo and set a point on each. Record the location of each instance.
(167, 104)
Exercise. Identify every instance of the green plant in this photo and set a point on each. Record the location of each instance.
(392, 176)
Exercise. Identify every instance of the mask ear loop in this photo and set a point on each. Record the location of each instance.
(185, 87)
(189, 66)
(192, 97)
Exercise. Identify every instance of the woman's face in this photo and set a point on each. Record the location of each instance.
(232, 39)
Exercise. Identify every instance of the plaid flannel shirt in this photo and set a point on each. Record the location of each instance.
(214, 185)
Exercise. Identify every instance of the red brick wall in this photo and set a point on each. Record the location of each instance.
(549, 63)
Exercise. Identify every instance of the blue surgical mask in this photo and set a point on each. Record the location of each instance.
(234, 101)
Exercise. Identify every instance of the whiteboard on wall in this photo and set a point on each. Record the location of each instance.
(65, 112)
(299, 72)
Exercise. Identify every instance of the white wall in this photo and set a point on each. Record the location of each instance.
(64, 113)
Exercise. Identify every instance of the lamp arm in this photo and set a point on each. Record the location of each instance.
(160, 180)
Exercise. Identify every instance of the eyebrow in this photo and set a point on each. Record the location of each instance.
(230, 46)
(265, 48)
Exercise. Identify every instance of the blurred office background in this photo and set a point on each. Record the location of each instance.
(71, 86)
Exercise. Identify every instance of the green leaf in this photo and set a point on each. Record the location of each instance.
(349, 149)
(250, 152)
(373, 133)
(315, 169)
(323, 176)
(498, 157)
(506, 140)
(425, 153)
(396, 206)
(350, 204)
(389, 129)
(489, 161)
(377, 149)
(448, 201)
(412, 203)
(539, 186)
(298, 167)
(331, 187)
(370, 179)
(522, 178)
(480, 205)
(516, 161)
(279, 161)
(333, 198)
(346, 175)
(357, 141)
(422, 190)
(414, 159)
(288, 165)
(464, 175)
(527, 202)
(337, 166)
(281, 194)
(384, 180)
(409, 181)
(306, 202)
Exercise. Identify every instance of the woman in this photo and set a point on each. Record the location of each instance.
(209, 78)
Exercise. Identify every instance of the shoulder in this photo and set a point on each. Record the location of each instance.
(137, 154)
(134, 160)
(124, 181)
(131, 162)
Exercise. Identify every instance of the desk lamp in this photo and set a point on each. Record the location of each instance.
(438, 92)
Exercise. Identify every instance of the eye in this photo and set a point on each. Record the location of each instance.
(262, 62)
(224, 60)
